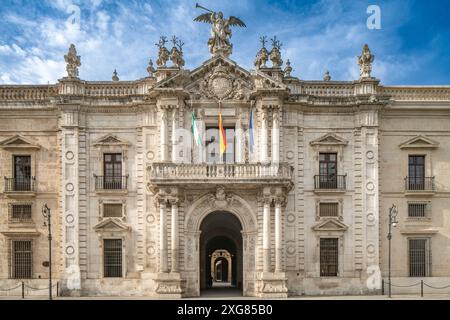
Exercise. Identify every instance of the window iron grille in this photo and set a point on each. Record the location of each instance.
(21, 259)
(419, 258)
(112, 258)
(20, 213)
(112, 210)
(417, 209)
(329, 257)
(329, 209)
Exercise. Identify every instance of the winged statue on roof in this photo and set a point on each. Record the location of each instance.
(219, 43)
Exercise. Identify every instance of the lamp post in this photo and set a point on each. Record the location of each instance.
(46, 213)
(392, 223)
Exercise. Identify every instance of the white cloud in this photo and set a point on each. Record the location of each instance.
(103, 21)
(13, 50)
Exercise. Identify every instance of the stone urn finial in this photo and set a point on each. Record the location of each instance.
(150, 68)
(263, 55)
(115, 76)
(288, 69)
(275, 54)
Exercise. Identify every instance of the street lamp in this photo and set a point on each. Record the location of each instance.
(46, 213)
(392, 223)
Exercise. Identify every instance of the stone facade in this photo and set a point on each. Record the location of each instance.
(273, 189)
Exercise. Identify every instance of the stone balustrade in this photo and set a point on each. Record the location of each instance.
(81, 88)
(165, 172)
(323, 89)
(26, 93)
(111, 90)
(435, 93)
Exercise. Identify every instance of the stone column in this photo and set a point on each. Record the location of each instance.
(275, 137)
(164, 143)
(263, 156)
(174, 236)
(174, 135)
(278, 237)
(163, 265)
(266, 235)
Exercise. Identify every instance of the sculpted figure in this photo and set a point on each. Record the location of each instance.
(219, 43)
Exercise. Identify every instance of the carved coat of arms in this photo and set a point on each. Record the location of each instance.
(220, 84)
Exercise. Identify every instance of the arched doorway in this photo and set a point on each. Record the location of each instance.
(221, 253)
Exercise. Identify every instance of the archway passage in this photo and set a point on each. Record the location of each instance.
(221, 258)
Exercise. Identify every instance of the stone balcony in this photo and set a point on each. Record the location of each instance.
(230, 174)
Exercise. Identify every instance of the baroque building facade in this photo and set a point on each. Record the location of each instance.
(297, 205)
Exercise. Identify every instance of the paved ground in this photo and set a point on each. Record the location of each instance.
(227, 294)
(223, 291)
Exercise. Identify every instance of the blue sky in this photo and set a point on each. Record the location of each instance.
(412, 46)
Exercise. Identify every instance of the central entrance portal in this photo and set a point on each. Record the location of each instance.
(221, 261)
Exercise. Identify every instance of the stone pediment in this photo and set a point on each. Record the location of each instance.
(419, 142)
(110, 140)
(330, 225)
(18, 142)
(329, 139)
(220, 79)
(111, 224)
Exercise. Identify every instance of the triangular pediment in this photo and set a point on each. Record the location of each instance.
(330, 225)
(111, 224)
(329, 139)
(18, 142)
(111, 140)
(419, 142)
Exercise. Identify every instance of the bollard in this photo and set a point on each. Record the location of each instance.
(421, 288)
(23, 290)
(382, 287)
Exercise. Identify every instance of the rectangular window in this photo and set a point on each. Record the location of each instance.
(419, 258)
(112, 210)
(329, 257)
(328, 209)
(112, 258)
(21, 259)
(328, 170)
(20, 212)
(112, 169)
(213, 145)
(22, 173)
(416, 172)
(417, 209)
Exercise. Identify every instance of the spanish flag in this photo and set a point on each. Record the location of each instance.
(223, 138)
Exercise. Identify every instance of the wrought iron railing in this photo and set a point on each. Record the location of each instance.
(419, 184)
(20, 184)
(111, 182)
(330, 182)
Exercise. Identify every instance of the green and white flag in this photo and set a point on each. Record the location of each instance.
(195, 131)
